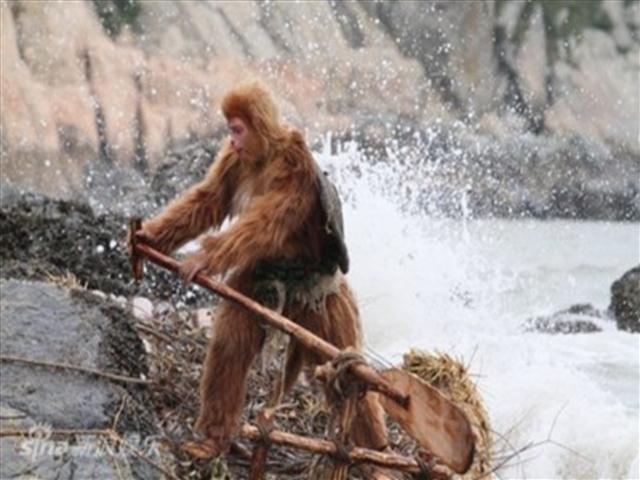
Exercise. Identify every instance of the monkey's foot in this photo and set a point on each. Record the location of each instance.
(202, 449)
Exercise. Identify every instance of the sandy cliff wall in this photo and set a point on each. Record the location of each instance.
(78, 90)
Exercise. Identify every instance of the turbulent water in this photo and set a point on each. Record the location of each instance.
(467, 286)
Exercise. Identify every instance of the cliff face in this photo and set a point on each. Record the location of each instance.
(120, 82)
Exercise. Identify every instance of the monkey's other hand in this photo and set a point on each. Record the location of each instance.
(194, 264)
(143, 235)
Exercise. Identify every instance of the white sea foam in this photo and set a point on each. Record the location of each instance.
(467, 286)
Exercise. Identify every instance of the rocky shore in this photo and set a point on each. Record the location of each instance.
(68, 304)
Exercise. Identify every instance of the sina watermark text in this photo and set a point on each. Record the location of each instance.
(41, 442)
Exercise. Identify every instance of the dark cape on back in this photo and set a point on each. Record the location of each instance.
(334, 223)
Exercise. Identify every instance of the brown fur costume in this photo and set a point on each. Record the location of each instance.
(273, 192)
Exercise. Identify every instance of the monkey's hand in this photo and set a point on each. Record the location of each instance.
(194, 264)
(143, 235)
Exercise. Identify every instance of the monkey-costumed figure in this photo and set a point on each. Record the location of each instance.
(286, 242)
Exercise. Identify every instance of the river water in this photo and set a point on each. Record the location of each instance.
(467, 286)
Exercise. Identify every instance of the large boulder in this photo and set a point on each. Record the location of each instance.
(44, 322)
(625, 300)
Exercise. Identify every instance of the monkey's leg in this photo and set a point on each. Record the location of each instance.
(236, 340)
(340, 325)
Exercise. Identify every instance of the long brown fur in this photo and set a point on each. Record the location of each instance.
(283, 218)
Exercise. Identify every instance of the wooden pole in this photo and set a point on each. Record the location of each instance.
(347, 410)
(306, 338)
(261, 449)
(258, 462)
(137, 262)
(356, 455)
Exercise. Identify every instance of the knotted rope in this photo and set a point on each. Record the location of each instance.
(339, 382)
(265, 432)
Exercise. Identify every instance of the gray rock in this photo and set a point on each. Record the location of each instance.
(451, 41)
(8, 193)
(625, 300)
(42, 455)
(616, 12)
(522, 176)
(531, 65)
(585, 309)
(180, 169)
(580, 318)
(48, 323)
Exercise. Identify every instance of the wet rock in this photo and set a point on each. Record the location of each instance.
(48, 323)
(41, 454)
(585, 309)
(456, 171)
(182, 168)
(41, 237)
(580, 318)
(625, 300)
(567, 177)
(110, 188)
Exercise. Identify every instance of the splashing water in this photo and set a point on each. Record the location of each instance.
(466, 287)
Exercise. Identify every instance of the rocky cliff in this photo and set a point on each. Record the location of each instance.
(88, 84)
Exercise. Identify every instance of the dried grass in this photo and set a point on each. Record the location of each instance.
(66, 280)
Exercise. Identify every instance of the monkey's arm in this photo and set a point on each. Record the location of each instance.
(203, 206)
(262, 231)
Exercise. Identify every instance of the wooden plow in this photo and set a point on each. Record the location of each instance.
(439, 427)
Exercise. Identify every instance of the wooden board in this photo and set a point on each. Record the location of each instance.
(434, 422)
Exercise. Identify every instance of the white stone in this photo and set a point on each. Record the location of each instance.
(142, 308)
(120, 300)
(147, 345)
(204, 318)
